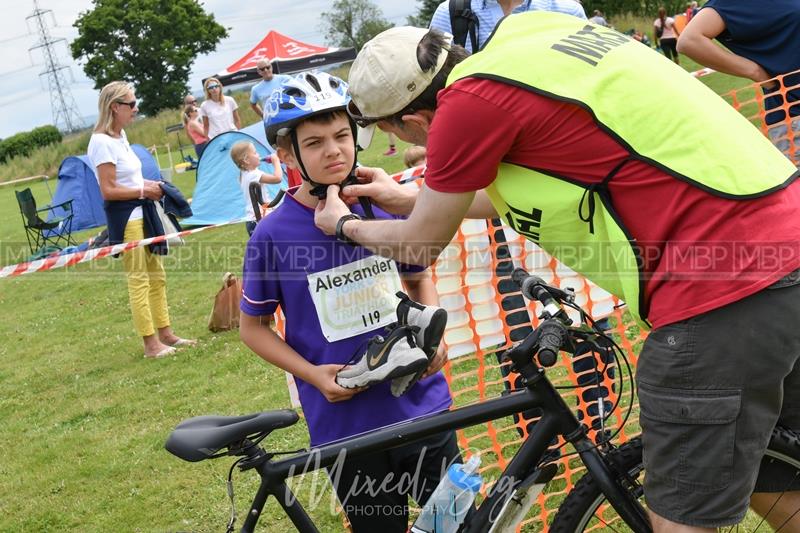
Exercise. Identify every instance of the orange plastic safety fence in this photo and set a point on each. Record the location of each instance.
(472, 278)
(751, 101)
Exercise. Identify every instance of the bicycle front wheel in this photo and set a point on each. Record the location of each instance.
(585, 508)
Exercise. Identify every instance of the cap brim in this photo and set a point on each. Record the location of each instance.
(364, 137)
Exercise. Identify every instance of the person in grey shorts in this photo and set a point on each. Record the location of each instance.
(708, 437)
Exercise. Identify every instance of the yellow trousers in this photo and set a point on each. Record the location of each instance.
(147, 283)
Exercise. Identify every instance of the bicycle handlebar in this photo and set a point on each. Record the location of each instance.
(551, 339)
(552, 332)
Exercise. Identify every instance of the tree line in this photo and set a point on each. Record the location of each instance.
(153, 43)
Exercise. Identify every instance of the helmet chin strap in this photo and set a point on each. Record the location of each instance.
(320, 190)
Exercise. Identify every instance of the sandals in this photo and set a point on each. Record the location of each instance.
(169, 350)
(184, 342)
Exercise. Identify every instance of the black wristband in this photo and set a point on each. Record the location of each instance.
(340, 236)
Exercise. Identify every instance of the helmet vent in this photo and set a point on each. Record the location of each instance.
(312, 80)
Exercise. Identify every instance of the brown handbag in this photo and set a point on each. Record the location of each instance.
(225, 314)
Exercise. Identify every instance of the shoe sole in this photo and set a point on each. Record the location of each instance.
(418, 365)
(431, 340)
(434, 332)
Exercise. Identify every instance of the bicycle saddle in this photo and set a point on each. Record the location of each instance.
(201, 437)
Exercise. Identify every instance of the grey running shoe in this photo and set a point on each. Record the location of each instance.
(385, 358)
(429, 321)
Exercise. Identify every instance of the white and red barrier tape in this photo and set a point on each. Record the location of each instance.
(702, 72)
(64, 260)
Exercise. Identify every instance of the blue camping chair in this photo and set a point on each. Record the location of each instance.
(40, 233)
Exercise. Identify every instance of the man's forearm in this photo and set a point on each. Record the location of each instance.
(392, 239)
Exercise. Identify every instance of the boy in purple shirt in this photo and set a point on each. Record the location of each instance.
(334, 298)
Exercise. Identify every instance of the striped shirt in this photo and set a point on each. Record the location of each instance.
(489, 14)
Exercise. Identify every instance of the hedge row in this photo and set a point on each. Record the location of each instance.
(644, 8)
(25, 142)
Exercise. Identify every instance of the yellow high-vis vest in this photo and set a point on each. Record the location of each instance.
(652, 107)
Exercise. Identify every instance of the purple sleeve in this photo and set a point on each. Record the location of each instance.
(409, 269)
(261, 290)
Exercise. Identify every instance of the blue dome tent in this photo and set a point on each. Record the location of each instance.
(217, 197)
(77, 182)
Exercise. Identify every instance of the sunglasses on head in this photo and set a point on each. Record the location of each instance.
(213, 86)
(129, 104)
(360, 119)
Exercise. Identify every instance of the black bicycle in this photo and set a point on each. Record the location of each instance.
(609, 497)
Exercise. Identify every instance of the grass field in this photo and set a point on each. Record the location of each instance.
(84, 416)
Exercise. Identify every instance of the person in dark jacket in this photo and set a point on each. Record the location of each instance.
(760, 43)
(128, 199)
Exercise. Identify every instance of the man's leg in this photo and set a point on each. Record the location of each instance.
(782, 513)
(709, 401)
(662, 525)
(777, 492)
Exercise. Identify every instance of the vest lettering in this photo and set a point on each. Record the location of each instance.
(524, 223)
(611, 38)
(580, 51)
(586, 43)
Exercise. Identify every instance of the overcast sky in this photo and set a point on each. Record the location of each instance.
(25, 98)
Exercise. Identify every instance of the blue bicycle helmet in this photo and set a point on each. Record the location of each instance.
(301, 97)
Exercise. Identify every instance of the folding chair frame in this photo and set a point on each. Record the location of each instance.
(37, 229)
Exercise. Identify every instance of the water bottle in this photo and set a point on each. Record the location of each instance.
(451, 500)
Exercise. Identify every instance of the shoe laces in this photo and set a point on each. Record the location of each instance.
(404, 305)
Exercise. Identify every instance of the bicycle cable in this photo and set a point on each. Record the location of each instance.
(617, 353)
(232, 519)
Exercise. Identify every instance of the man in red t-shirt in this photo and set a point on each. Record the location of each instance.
(710, 313)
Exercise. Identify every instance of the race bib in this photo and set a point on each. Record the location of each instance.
(355, 298)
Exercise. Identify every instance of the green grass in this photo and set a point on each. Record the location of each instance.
(84, 416)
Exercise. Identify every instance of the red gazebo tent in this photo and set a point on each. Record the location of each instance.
(286, 54)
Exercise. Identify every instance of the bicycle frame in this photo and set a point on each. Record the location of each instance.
(557, 419)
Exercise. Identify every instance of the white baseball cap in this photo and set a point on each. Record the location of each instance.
(386, 77)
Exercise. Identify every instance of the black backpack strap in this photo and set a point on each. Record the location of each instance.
(463, 21)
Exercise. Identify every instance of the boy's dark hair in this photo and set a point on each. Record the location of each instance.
(285, 141)
(428, 51)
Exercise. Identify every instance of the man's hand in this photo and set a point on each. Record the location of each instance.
(437, 362)
(329, 211)
(325, 382)
(382, 190)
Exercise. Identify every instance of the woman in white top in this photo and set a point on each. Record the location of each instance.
(124, 189)
(666, 35)
(219, 112)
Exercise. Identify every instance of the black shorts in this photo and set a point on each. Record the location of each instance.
(669, 47)
(412, 470)
(711, 389)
